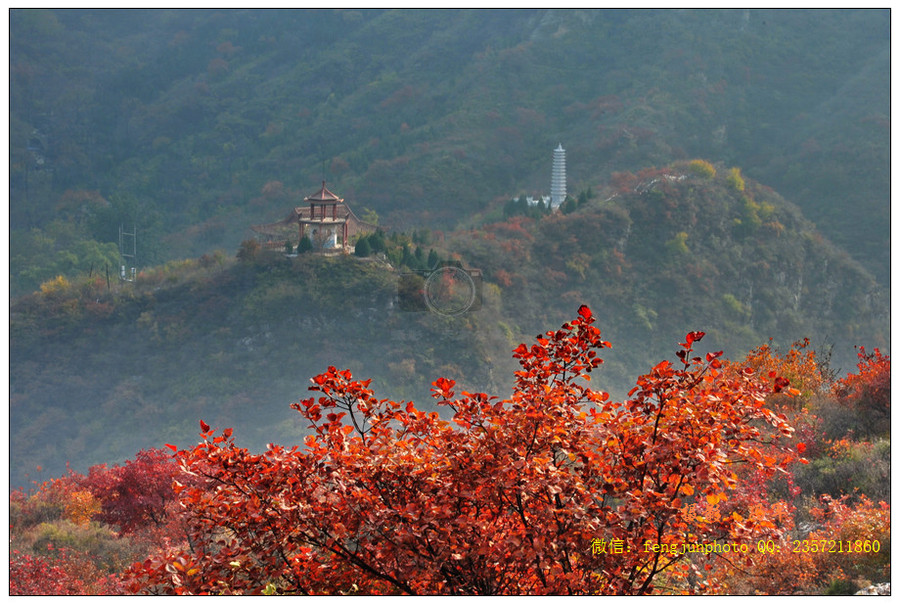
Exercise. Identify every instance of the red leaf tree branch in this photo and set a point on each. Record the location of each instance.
(509, 496)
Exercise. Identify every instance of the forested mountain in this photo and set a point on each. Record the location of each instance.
(682, 245)
(191, 125)
(235, 340)
(706, 406)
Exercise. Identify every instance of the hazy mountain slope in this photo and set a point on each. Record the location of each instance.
(666, 251)
(179, 119)
(192, 125)
(96, 374)
(663, 252)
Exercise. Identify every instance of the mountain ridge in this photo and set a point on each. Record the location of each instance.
(233, 341)
(175, 120)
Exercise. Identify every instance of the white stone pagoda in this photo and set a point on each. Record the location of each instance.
(558, 182)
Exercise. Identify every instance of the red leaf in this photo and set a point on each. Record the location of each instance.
(585, 313)
(781, 383)
(695, 336)
(443, 385)
(173, 447)
(204, 427)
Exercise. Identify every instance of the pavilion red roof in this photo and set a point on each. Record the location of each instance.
(323, 196)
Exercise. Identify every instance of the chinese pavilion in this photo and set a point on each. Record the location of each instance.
(326, 220)
(323, 224)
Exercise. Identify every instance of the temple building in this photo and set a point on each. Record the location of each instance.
(326, 220)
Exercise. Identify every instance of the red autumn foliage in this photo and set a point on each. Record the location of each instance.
(65, 573)
(844, 542)
(515, 227)
(73, 535)
(30, 575)
(870, 387)
(866, 394)
(136, 494)
(515, 496)
(798, 365)
(503, 278)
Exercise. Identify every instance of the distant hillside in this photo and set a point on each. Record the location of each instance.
(684, 247)
(99, 370)
(192, 124)
(233, 343)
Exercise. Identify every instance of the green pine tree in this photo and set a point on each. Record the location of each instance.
(363, 249)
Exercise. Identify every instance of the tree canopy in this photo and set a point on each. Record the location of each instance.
(556, 490)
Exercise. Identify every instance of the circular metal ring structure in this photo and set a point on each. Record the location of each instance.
(450, 291)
